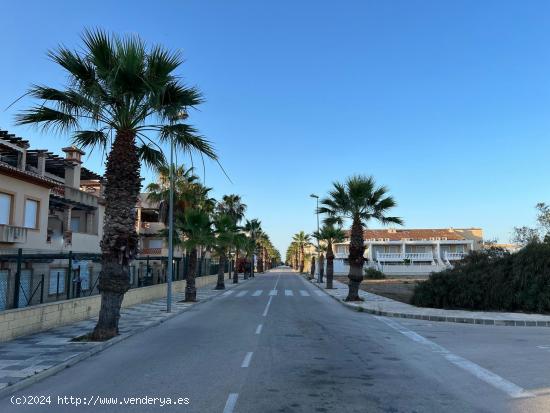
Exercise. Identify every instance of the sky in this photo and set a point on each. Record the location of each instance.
(447, 103)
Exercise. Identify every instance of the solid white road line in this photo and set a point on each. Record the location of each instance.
(267, 306)
(242, 293)
(257, 293)
(273, 292)
(230, 403)
(513, 390)
(304, 293)
(277, 282)
(247, 358)
(289, 293)
(259, 328)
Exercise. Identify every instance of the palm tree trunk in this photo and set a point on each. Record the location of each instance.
(312, 269)
(321, 266)
(245, 273)
(302, 259)
(261, 260)
(235, 269)
(190, 289)
(356, 259)
(330, 266)
(220, 285)
(120, 241)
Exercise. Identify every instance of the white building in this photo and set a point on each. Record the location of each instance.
(411, 251)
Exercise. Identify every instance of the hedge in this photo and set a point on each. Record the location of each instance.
(492, 280)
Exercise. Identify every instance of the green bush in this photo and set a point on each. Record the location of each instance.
(374, 274)
(492, 280)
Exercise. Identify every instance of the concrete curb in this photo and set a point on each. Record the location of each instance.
(21, 384)
(460, 320)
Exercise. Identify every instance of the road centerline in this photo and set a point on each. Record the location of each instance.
(247, 359)
(259, 328)
(231, 402)
(267, 306)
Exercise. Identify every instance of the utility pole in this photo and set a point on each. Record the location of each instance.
(318, 245)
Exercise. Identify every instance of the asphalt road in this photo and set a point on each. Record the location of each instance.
(300, 351)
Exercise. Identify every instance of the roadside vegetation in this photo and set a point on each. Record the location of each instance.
(492, 280)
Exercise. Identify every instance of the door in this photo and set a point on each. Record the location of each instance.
(3, 289)
(25, 288)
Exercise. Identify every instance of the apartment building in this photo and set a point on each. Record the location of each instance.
(49, 204)
(411, 251)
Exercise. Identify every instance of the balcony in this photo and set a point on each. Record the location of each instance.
(398, 256)
(454, 256)
(150, 228)
(13, 234)
(75, 195)
(151, 251)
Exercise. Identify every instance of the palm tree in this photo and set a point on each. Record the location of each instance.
(360, 200)
(302, 240)
(196, 228)
(119, 94)
(239, 243)
(233, 206)
(253, 228)
(328, 235)
(249, 247)
(187, 190)
(225, 231)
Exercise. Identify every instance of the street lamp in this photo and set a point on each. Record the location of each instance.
(318, 246)
(179, 116)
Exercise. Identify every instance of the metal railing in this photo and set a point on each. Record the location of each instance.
(35, 278)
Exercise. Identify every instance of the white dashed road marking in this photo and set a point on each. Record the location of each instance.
(257, 293)
(230, 403)
(273, 292)
(242, 293)
(320, 293)
(289, 293)
(304, 293)
(267, 306)
(259, 328)
(247, 358)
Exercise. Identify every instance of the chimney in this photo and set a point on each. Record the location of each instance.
(73, 166)
(41, 162)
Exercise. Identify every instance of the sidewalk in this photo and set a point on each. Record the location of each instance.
(28, 359)
(376, 304)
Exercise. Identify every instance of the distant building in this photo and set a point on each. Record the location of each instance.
(411, 251)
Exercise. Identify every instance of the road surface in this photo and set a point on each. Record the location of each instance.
(277, 343)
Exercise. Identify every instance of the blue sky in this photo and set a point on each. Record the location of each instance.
(445, 102)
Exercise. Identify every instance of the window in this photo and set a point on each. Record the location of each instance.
(31, 213)
(5, 208)
(75, 224)
(55, 275)
(155, 243)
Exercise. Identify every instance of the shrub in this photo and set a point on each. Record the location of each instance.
(492, 280)
(374, 274)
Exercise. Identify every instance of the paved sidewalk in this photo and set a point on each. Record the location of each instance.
(30, 358)
(376, 304)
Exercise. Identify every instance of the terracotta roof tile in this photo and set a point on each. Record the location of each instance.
(412, 234)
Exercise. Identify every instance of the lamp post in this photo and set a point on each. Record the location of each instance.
(181, 115)
(318, 245)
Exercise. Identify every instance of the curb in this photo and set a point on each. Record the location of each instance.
(21, 384)
(459, 320)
